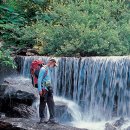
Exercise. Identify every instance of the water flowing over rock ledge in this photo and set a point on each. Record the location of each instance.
(99, 85)
(26, 124)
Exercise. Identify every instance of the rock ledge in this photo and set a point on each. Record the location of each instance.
(27, 124)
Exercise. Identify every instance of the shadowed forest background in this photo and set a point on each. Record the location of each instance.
(65, 27)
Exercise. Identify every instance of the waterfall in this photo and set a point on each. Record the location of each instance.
(99, 85)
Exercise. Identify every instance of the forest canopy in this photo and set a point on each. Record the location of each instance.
(66, 27)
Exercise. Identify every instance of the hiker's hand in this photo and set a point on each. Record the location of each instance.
(40, 93)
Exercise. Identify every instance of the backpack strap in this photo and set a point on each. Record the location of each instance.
(45, 72)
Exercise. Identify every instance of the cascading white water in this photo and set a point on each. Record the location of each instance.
(72, 108)
(99, 85)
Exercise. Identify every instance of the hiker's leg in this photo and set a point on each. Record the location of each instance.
(51, 105)
(32, 80)
(36, 85)
(42, 107)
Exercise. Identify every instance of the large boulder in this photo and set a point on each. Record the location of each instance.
(17, 96)
(19, 84)
(26, 124)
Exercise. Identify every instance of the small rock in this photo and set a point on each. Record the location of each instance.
(22, 52)
(119, 122)
(26, 52)
(30, 54)
(108, 126)
(34, 51)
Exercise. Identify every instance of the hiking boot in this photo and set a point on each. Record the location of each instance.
(43, 120)
(53, 121)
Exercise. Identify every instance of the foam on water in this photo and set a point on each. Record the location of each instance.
(78, 116)
(126, 125)
(72, 108)
(35, 105)
(90, 125)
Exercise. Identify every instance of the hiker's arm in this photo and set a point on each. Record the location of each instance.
(40, 77)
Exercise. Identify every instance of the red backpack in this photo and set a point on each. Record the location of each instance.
(35, 67)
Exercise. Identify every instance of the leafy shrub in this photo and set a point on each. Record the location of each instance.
(6, 59)
(85, 28)
(70, 28)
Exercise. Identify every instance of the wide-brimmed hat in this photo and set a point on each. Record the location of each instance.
(54, 60)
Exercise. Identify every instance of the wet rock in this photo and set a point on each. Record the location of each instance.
(116, 125)
(17, 96)
(22, 110)
(25, 124)
(61, 112)
(8, 126)
(18, 84)
(109, 126)
(119, 122)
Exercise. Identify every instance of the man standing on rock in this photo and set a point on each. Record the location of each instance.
(46, 91)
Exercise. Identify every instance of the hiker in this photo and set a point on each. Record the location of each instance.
(46, 91)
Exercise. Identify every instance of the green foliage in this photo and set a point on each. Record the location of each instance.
(16, 14)
(6, 59)
(68, 28)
